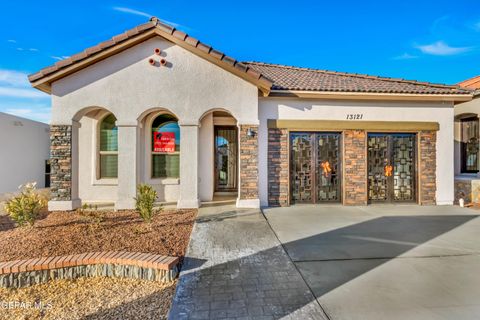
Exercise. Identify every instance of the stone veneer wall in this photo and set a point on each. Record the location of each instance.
(278, 167)
(61, 162)
(355, 168)
(248, 163)
(463, 190)
(468, 189)
(428, 167)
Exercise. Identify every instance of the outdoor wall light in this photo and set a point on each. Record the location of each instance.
(251, 133)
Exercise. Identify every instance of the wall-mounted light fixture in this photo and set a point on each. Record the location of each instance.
(251, 133)
(151, 62)
(157, 51)
(163, 62)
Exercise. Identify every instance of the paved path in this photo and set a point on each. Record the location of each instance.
(237, 269)
(386, 262)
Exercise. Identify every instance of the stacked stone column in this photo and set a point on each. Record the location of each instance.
(248, 188)
(355, 168)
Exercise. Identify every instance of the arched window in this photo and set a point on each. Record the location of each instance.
(165, 147)
(108, 148)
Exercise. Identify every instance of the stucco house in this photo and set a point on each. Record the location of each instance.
(24, 154)
(467, 133)
(154, 105)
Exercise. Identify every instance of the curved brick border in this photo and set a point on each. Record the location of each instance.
(146, 266)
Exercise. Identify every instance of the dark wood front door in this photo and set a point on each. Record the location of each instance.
(226, 159)
(315, 167)
(391, 167)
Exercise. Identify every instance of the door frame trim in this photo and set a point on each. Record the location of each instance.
(215, 172)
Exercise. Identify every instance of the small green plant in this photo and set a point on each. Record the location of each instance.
(145, 199)
(25, 207)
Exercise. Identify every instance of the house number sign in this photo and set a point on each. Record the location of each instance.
(355, 116)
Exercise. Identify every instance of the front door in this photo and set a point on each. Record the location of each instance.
(315, 167)
(391, 167)
(226, 160)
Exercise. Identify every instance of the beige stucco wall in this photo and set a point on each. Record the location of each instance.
(310, 109)
(25, 146)
(128, 86)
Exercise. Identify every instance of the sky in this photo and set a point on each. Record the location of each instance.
(436, 41)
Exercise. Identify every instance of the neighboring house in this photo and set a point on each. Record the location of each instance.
(25, 148)
(467, 133)
(154, 105)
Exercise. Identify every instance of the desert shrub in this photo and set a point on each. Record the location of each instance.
(25, 207)
(145, 199)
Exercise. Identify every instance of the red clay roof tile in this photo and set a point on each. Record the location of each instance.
(305, 79)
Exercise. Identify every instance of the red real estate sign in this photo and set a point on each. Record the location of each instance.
(164, 141)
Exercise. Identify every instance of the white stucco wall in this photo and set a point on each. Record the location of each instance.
(471, 108)
(128, 86)
(310, 109)
(24, 148)
(206, 159)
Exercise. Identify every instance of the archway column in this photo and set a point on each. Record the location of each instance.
(248, 166)
(189, 161)
(64, 167)
(128, 136)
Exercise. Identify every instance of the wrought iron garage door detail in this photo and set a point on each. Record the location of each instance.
(391, 167)
(315, 167)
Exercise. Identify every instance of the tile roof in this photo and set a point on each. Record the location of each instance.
(305, 79)
(162, 27)
(472, 83)
(265, 76)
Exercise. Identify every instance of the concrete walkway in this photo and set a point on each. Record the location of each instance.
(386, 262)
(236, 268)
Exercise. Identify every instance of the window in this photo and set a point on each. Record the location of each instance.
(165, 147)
(469, 144)
(108, 148)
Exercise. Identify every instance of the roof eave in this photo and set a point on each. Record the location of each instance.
(341, 95)
(245, 72)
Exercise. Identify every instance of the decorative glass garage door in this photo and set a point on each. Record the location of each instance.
(315, 167)
(391, 167)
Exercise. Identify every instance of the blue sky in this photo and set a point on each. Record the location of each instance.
(437, 41)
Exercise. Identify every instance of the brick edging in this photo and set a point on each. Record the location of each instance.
(21, 273)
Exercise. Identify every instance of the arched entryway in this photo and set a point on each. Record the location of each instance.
(218, 155)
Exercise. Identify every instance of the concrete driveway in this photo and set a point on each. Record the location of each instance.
(385, 262)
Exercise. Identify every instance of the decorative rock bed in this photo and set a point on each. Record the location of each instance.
(120, 264)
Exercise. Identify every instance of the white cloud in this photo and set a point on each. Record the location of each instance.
(12, 41)
(14, 84)
(21, 93)
(144, 14)
(42, 115)
(13, 78)
(405, 56)
(59, 57)
(132, 11)
(33, 49)
(440, 48)
(20, 49)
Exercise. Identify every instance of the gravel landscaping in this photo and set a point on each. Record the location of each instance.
(63, 233)
(88, 298)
